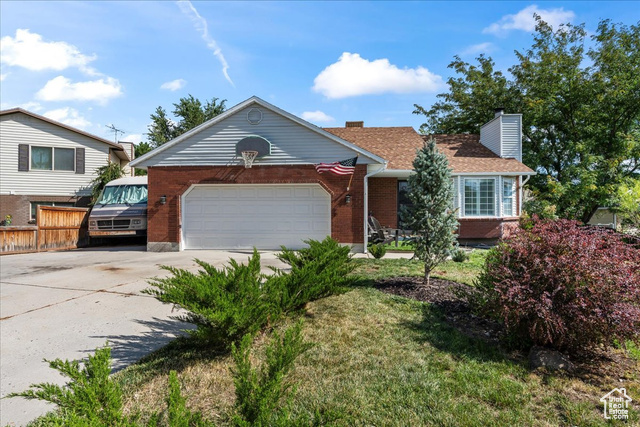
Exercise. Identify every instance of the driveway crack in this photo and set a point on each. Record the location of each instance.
(86, 293)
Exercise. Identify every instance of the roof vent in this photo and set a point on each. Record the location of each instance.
(254, 116)
(354, 124)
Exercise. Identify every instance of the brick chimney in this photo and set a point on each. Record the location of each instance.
(354, 124)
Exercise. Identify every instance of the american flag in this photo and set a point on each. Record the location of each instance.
(345, 167)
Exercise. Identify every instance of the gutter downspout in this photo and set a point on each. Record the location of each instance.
(366, 204)
(522, 183)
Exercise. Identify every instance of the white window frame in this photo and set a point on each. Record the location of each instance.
(53, 159)
(513, 196)
(496, 197)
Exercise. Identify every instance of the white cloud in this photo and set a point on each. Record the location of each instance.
(174, 85)
(3, 76)
(201, 25)
(62, 89)
(479, 48)
(354, 76)
(28, 50)
(136, 138)
(316, 117)
(525, 21)
(31, 106)
(69, 116)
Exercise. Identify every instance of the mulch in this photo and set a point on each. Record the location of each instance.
(449, 297)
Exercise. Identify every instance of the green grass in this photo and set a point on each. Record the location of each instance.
(402, 246)
(462, 272)
(385, 360)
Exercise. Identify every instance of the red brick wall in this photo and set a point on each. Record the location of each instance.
(485, 228)
(383, 200)
(19, 207)
(172, 181)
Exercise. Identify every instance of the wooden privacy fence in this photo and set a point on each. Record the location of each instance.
(56, 228)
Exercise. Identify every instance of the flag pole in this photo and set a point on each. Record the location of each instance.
(354, 172)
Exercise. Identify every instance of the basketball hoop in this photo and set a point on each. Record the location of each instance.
(248, 157)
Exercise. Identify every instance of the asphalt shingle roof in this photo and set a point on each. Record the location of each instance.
(398, 145)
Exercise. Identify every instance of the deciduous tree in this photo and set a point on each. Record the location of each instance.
(189, 112)
(580, 106)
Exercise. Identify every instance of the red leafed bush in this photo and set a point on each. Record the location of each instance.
(562, 285)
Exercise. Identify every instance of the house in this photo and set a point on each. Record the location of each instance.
(201, 196)
(44, 162)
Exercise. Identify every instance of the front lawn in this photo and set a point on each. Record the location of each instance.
(386, 360)
(462, 272)
(380, 359)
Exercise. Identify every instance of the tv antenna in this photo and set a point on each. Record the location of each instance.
(115, 131)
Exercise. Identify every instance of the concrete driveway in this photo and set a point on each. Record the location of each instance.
(66, 304)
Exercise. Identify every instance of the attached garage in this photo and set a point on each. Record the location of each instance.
(265, 216)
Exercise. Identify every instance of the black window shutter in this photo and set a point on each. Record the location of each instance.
(23, 157)
(80, 160)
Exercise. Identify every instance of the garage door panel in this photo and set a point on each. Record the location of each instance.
(263, 216)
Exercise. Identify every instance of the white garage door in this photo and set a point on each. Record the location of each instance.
(235, 216)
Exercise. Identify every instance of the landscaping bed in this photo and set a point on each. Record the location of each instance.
(445, 295)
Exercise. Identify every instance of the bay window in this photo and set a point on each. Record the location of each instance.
(479, 197)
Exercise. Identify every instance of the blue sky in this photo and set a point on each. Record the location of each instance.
(90, 64)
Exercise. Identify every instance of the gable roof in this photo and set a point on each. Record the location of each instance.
(62, 125)
(256, 100)
(399, 145)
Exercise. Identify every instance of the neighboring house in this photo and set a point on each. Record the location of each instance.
(44, 162)
(201, 196)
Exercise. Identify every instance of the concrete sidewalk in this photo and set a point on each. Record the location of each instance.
(66, 304)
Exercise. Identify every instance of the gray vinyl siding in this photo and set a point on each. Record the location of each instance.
(511, 136)
(490, 135)
(16, 129)
(503, 136)
(291, 143)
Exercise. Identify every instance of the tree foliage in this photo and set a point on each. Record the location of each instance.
(190, 113)
(580, 106)
(105, 174)
(431, 215)
(629, 206)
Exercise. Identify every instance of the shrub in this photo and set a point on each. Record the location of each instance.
(562, 285)
(260, 392)
(378, 250)
(459, 255)
(225, 304)
(91, 397)
(316, 272)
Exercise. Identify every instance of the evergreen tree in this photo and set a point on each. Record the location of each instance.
(431, 215)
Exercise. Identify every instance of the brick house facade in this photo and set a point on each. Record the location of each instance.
(202, 196)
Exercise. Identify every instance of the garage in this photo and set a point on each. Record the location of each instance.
(265, 216)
